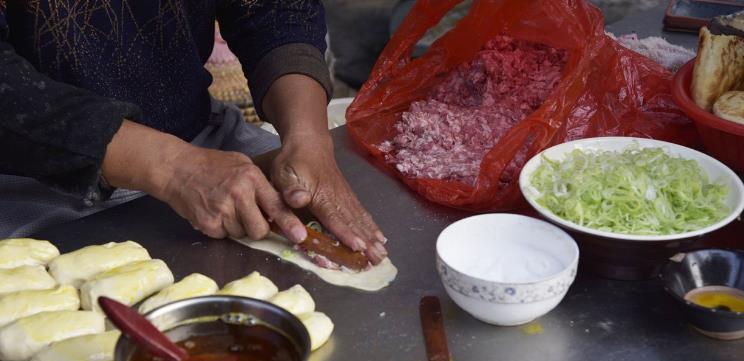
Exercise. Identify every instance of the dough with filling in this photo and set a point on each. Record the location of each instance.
(16, 252)
(254, 286)
(96, 347)
(23, 338)
(127, 284)
(319, 326)
(25, 278)
(16, 305)
(193, 285)
(373, 279)
(76, 267)
(295, 299)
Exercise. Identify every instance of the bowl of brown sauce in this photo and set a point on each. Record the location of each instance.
(709, 286)
(225, 328)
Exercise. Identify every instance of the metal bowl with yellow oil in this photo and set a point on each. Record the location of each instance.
(709, 286)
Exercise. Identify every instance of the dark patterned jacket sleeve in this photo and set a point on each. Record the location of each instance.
(273, 38)
(52, 131)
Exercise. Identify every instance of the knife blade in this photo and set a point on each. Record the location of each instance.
(432, 325)
(335, 251)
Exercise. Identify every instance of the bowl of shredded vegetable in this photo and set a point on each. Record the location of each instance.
(626, 194)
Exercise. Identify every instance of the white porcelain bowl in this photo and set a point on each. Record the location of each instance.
(714, 169)
(506, 269)
(337, 111)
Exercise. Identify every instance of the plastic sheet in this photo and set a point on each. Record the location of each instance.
(605, 90)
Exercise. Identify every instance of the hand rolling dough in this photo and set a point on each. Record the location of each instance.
(373, 279)
(319, 326)
(295, 299)
(193, 285)
(76, 267)
(254, 286)
(127, 284)
(25, 278)
(96, 347)
(16, 305)
(23, 338)
(16, 252)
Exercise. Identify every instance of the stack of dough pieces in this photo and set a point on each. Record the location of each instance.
(295, 299)
(40, 314)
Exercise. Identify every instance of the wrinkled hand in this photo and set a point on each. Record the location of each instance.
(306, 174)
(224, 194)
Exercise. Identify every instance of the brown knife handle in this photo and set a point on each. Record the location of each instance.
(335, 251)
(433, 327)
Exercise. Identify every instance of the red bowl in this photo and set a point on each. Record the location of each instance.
(723, 139)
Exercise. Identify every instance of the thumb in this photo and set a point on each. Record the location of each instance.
(294, 191)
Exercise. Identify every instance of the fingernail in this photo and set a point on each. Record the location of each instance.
(298, 196)
(298, 233)
(380, 237)
(381, 250)
(358, 244)
(374, 256)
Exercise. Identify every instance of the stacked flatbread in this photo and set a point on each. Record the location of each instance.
(718, 77)
(48, 308)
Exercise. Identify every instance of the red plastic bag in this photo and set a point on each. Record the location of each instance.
(605, 89)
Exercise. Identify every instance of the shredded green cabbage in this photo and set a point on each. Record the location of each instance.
(636, 191)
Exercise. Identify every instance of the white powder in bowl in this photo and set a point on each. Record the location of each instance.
(515, 263)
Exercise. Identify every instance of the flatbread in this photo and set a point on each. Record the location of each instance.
(730, 106)
(719, 67)
(373, 279)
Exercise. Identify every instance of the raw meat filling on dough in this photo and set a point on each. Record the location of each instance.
(447, 135)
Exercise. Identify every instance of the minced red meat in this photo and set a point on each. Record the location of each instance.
(447, 135)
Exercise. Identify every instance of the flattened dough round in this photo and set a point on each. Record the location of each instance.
(373, 279)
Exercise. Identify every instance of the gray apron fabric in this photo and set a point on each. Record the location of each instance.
(27, 206)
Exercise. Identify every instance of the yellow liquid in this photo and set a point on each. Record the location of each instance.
(718, 297)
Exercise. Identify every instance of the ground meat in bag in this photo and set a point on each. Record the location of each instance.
(447, 135)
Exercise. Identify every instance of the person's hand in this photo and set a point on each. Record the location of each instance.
(306, 174)
(224, 194)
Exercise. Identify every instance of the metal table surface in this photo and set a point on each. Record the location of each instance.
(598, 320)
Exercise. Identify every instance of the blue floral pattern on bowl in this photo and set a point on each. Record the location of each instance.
(495, 292)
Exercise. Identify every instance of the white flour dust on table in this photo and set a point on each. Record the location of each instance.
(447, 135)
(515, 263)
